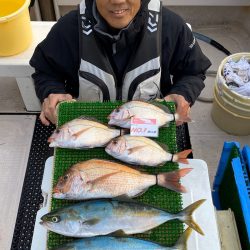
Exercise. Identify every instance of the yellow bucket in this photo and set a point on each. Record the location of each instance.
(15, 26)
(230, 111)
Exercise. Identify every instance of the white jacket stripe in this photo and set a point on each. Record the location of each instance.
(153, 64)
(107, 78)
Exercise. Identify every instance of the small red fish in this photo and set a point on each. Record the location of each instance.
(140, 150)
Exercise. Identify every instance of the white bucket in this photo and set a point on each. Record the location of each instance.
(230, 111)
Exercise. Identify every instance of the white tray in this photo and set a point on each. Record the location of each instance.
(197, 184)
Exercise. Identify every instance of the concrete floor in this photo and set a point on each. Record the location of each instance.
(206, 138)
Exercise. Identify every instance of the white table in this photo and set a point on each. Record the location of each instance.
(197, 184)
(18, 66)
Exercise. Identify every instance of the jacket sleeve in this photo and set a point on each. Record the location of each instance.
(187, 63)
(56, 58)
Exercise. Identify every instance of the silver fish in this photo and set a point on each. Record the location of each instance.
(140, 150)
(96, 178)
(82, 132)
(103, 217)
(122, 115)
(123, 243)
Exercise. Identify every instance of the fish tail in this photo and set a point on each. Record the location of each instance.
(181, 243)
(181, 157)
(186, 216)
(180, 118)
(124, 131)
(171, 180)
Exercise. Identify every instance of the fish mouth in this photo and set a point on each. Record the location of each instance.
(107, 149)
(110, 117)
(53, 144)
(58, 194)
(56, 190)
(50, 139)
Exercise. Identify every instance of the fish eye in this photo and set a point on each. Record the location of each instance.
(55, 219)
(117, 110)
(65, 177)
(57, 131)
(115, 142)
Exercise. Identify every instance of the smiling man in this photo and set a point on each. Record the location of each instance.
(118, 14)
(118, 50)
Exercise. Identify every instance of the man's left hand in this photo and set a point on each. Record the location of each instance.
(182, 106)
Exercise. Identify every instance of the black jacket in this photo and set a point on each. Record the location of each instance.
(56, 59)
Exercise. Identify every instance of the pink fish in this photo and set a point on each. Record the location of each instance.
(140, 150)
(122, 115)
(97, 178)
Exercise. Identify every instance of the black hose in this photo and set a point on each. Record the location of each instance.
(212, 42)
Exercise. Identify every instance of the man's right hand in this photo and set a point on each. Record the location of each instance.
(48, 113)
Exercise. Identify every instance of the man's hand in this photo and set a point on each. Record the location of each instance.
(48, 113)
(182, 106)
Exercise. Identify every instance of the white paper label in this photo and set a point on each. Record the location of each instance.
(144, 127)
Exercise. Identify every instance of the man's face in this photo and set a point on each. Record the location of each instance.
(118, 13)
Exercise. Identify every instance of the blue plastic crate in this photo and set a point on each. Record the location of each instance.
(243, 187)
(246, 156)
(223, 163)
(231, 187)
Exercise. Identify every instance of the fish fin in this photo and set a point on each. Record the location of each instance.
(91, 222)
(166, 125)
(80, 132)
(124, 131)
(132, 150)
(89, 118)
(101, 178)
(125, 198)
(161, 106)
(181, 157)
(118, 233)
(162, 145)
(148, 232)
(181, 243)
(186, 216)
(141, 193)
(171, 180)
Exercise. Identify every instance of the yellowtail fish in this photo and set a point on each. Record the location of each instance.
(82, 132)
(123, 243)
(122, 115)
(140, 150)
(95, 178)
(103, 217)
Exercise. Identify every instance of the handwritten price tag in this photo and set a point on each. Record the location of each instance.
(144, 127)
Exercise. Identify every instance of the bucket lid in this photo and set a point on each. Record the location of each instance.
(14, 14)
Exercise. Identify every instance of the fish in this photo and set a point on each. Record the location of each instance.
(82, 133)
(97, 178)
(123, 243)
(122, 115)
(139, 150)
(118, 217)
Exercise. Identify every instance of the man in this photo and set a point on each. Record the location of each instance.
(118, 50)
